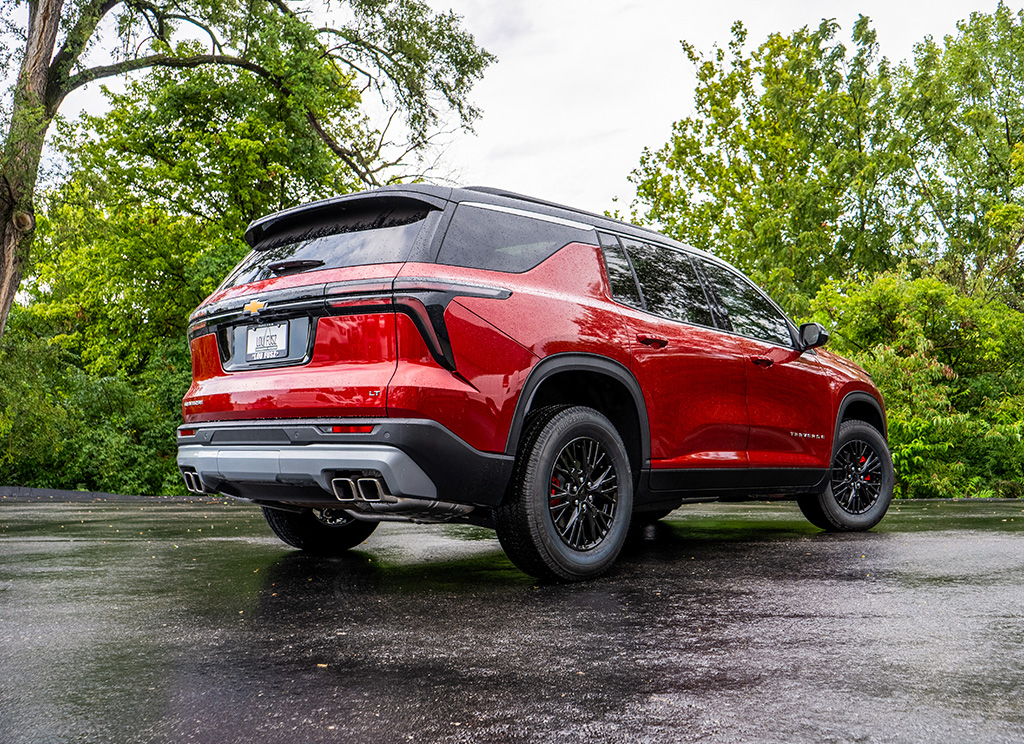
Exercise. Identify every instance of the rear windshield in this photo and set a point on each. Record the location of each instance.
(353, 239)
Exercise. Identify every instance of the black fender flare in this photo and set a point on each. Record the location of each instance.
(858, 397)
(580, 362)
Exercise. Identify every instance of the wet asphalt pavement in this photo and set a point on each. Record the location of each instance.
(175, 622)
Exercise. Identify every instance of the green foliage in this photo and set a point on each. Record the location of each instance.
(214, 144)
(951, 367)
(61, 427)
(110, 289)
(805, 160)
(961, 103)
(787, 164)
(94, 367)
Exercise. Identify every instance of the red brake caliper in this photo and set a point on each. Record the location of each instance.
(862, 461)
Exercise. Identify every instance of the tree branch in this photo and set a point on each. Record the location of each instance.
(72, 48)
(350, 158)
(162, 15)
(167, 60)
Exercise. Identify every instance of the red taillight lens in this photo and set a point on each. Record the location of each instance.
(187, 433)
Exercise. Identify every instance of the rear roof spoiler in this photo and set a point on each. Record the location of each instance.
(324, 211)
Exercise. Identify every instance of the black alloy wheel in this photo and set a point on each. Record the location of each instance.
(567, 511)
(860, 485)
(856, 477)
(584, 493)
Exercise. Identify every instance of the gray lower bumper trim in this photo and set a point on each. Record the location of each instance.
(267, 464)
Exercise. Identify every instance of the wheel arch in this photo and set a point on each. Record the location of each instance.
(864, 407)
(593, 381)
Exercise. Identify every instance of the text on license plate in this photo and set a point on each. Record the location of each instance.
(266, 342)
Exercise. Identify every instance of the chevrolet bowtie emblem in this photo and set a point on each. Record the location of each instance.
(254, 307)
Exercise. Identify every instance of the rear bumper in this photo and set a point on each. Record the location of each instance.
(295, 460)
(299, 466)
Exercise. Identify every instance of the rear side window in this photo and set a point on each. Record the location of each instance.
(669, 283)
(750, 312)
(356, 238)
(507, 240)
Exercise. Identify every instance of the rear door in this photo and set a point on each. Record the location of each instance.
(691, 374)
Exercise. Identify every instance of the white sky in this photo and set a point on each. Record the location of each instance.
(582, 86)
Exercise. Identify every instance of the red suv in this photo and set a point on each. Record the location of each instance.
(433, 354)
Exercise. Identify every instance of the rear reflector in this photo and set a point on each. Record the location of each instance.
(187, 433)
(351, 429)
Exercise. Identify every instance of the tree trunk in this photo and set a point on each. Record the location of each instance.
(30, 118)
(14, 249)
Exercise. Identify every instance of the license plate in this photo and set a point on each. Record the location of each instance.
(266, 342)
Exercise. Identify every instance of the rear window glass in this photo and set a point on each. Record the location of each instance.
(750, 312)
(481, 238)
(354, 239)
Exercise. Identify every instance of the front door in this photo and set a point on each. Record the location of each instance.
(790, 425)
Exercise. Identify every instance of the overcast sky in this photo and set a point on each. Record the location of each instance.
(581, 86)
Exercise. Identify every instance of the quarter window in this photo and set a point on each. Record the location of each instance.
(481, 238)
(750, 312)
(620, 275)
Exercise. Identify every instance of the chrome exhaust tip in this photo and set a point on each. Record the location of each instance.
(345, 490)
(371, 490)
(193, 482)
(362, 490)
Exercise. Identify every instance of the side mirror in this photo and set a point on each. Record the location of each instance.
(813, 335)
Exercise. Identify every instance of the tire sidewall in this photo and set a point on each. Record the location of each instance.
(566, 427)
(303, 530)
(832, 511)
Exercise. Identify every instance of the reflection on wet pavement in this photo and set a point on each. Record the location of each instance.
(138, 622)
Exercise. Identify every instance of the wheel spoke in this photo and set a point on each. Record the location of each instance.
(600, 481)
(584, 493)
(561, 506)
(856, 477)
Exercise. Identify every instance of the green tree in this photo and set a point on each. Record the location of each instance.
(961, 105)
(951, 367)
(423, 63)
(789, 166)
(211, 143)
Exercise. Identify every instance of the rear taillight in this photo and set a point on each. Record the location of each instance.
(197, 328)
(422, 299)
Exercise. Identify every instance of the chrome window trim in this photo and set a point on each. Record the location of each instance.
(530, 215)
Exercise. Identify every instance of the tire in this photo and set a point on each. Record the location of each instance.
(860, 486)
(569, 504)
(320, 531)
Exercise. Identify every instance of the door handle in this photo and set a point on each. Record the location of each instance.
(657, 343)
(762, 362)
